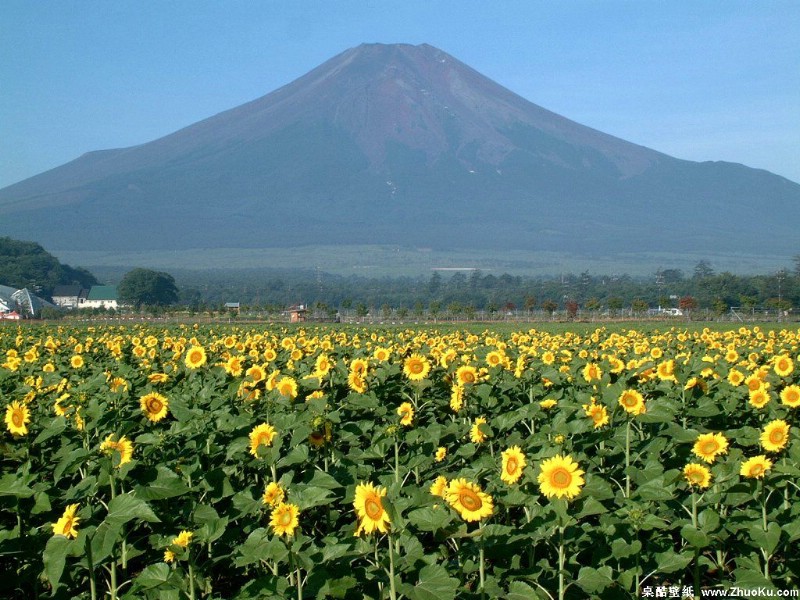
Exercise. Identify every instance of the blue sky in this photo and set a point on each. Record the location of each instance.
(700, 80)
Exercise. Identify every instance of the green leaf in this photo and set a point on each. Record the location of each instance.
(655, 490)
(694, 536)
(166, 485)
(620, 548)
(103, 540)
(153, 576)
(708, 520)
(307, 497)
(671, 562)
(598, 488)
(321, 479)
(127, 507)
(591, 507)
(591, 580)
(259, 545)
(520, 591)
(434, 584)
(766, 540)
(295, 456)
(752, 579)
(55, 556)
(13, 485)
(430, 519)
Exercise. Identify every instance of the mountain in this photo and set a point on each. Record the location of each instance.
(400, 144)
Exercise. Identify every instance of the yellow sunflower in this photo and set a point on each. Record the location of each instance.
(708, 446)
(287, 387)
(697, 475)
(322, 366)
(76, 362)
(592, 372)
(476, 435)
(597, 413)
(469, 500)
(439, 486)
(124, 447)
(416, 367)
(406, 412)
(195, 357)
(783, 365)
(633, 402)
(369, 508)
(17, 418)
(735, 377)
(775, 436)
(760, 397)
(261, 435)
(356, 382)
(548, 404)
(560, 477)
(285, 519)
(457, 398)
(790, 396)
(466, 374)
(154, 406)
(381, 354)
(273, 494)
(67, 524)
(256, 373)
(183, 539)
(513, 463)
(666, 370)
(441, 453)
(495, 358)
(756, 467)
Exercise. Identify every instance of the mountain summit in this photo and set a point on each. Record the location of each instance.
(400, 144)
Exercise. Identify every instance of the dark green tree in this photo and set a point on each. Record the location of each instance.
(143, 287)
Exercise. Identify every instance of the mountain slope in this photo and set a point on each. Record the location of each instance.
(404, 145)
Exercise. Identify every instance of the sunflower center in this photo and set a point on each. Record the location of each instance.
(710, 447)
(373, 508)
(629, 401)
(17, 419)
(756, 470)
(285, 518)
(561, 478)
(776, 436)
(415, 367)
(469, 500)
(154, 405)
(511, 466)
(696, 476)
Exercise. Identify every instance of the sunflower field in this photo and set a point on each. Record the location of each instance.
(334, 462)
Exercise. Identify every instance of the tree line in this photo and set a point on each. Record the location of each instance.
(472, 291)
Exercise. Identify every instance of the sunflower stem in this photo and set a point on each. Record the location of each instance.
(392, 590)
(696, 569)
(561, 561)
(628, 459)
(764, 521)
(92, 584)
(396, 462)
(191, 579)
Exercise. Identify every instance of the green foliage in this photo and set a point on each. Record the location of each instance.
(27, 264)
(195, 470)
(146, 287)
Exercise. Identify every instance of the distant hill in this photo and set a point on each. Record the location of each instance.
(404, 145)
(28, 265)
